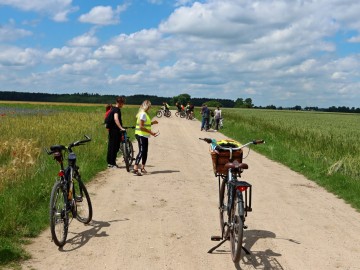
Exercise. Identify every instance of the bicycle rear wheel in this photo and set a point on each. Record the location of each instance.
(237, 227)
(130, 151)
(223, 206)
(59, 218)
(167, 113)
(126, 155)
(82, 201)
(159, 113)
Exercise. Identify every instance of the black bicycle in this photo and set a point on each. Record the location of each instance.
(69, 196)
(181, 113)
(234, 195)
(127, 149)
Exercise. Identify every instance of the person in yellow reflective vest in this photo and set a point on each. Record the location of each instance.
(142, 134)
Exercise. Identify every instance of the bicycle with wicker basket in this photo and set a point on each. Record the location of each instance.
(234, 195)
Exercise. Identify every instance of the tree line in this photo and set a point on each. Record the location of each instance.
(155, 100)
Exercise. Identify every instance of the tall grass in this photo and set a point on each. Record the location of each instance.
(324, 147)
(28, 173)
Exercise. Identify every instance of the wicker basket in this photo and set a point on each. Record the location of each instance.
(221, 158)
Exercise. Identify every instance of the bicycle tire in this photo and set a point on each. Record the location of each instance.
(130, 151)
(223, 206)
(182, 114)
(59, 218)
(237, 228)
(83, 203)
(126, 156)
(159, 114)
(167, 113)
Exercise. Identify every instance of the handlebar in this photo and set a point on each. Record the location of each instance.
(213, 141)
(56, 148)
(129, 127)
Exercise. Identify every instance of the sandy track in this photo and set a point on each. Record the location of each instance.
(164, 220)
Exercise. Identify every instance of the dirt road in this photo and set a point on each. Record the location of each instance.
(164, 220)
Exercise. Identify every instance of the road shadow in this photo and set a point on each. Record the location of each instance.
(82, 238)
(164, 171)
(263, 259)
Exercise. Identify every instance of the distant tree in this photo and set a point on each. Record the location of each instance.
(248, 103)
(182, 99)
(213, 103)
(239, 103)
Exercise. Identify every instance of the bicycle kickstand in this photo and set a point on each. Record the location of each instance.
(218, 245)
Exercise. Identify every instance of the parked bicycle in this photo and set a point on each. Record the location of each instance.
(69, 196)
(213, 124)
(127, 149)
(162, 112)
(234, 195)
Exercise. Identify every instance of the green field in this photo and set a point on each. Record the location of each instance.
(28, 173)
(324, 147)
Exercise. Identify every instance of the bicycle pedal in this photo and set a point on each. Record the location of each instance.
(216, 238)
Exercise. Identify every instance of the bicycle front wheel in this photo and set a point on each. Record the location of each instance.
(82, 201)
(59, 219)
(237, 227)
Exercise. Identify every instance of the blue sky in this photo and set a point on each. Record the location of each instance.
(283, 53)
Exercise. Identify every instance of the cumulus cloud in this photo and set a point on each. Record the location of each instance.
(103, 15)
(85, 40)
(9, 32)
(11, 56)
(276, 52)
(56, 9)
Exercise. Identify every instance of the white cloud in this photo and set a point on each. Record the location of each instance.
(9, 33)
(18, 57)
(85, 40)
(56, 9)
(78, 68)
(103, 15)
(276, 52)
(68, 54)
(355, 39)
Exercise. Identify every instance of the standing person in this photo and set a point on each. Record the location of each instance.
(217, 117)
(142, 134)
(205, 117)
(115, 129)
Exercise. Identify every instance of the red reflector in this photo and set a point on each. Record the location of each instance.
(242, 188)
(61, 173)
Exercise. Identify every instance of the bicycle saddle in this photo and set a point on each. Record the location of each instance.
(236, 165)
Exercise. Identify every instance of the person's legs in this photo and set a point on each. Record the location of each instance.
(202, 123)
(140, 155)
(145, 144)
(113, 146)
(217, 120)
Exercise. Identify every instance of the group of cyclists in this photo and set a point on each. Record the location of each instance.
(188, 109)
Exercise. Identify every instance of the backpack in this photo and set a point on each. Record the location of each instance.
(109, 120)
